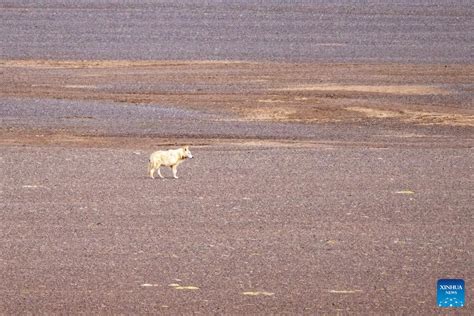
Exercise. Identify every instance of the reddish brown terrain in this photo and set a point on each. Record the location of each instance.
(332, 145)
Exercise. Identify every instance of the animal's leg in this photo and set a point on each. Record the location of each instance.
(174, 169)
(151, 170)
(159, 173)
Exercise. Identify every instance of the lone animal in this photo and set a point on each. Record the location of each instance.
(170, 158)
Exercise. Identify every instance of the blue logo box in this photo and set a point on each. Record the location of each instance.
(450, 293)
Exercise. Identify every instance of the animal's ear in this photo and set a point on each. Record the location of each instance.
(186, 147)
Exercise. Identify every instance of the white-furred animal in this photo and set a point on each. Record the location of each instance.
(170, 158)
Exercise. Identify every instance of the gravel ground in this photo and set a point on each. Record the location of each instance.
(27, 120)
(313, 230)
(340, 31)
(333, 156)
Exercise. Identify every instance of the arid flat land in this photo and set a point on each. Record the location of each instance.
(260, 91)
(315, 188)
(246, 229)
(333, 145)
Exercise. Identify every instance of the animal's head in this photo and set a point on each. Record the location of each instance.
(187, 152)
